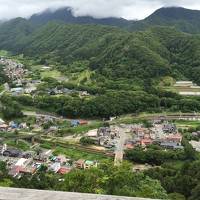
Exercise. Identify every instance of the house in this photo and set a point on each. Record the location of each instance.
(15, 171)
(22, 162)
(2, 121)
(171, 145)
(64, 170)
(55, 167)
(84, 93)
(169, 128)
(175, 138)
(67, 91)
(104, 131)
(145, 142)
(44, 68)
(80, 164)
(13, 125)
(92, 133)
(29, 90)
(74, 123)
(129, 145)
(61, 159)
(36, 82)
(17, 91)
(88, 164)
(53, 129)
(195, 145)
(3, 127)
(23, 126)
(12, 153)
(196, 134)
(83, 122)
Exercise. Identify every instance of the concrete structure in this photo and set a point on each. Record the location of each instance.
(184, 84)
(25, 194)
(195, 145)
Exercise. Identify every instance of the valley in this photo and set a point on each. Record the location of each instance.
(104, 106)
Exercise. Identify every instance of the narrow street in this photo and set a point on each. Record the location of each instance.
(119, 152)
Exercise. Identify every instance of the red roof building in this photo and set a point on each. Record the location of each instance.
(64, 170)
(83, 122)
(145, 142)
(177, 138)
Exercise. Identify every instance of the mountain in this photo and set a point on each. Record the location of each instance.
(182, 19)
(115, 53)
(65, 15)
(112, 52)
(13, 32)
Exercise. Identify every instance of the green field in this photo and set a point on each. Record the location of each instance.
(51, 73)
(84, 76)
(4, 53)
(76, 154)
(187, 124)
(23, 145)
(82, 129)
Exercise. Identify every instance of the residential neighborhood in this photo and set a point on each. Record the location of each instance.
(20, 162)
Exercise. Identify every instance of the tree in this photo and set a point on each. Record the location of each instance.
(86, 141)
(195, 193)
(190, 152)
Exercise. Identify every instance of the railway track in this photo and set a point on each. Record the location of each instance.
(173, 117)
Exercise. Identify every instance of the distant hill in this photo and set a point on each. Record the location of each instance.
(65, 15)
(182, 19)
(115, 53)
(112, 52)
(13, 32)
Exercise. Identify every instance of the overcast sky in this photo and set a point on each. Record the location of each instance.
(129, 9)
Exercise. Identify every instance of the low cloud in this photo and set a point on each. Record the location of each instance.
(130, 9)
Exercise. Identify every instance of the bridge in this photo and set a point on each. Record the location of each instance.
(27, 194)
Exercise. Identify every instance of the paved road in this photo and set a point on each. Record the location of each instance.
(119, 152)
(32, 113)
(35, 114)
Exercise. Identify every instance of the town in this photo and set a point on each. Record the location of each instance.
(23, 81)
(35, 129)
(115, 139)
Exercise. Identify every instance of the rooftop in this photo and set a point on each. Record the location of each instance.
(27, 194)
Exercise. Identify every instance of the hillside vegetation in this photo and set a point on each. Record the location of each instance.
(122, 70)
(182, 19)
(112, 52)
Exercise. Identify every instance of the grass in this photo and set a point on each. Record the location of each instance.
(46, 145)
(187, 124)
(82, 77)
(4, 53)
(23, 145)
(175, 164)
(51, 73)
(82, 129)
(76, 154)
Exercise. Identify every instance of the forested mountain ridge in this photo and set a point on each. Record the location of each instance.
(182, 19)
(115, 53)
(66, 15)
(112, 52)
